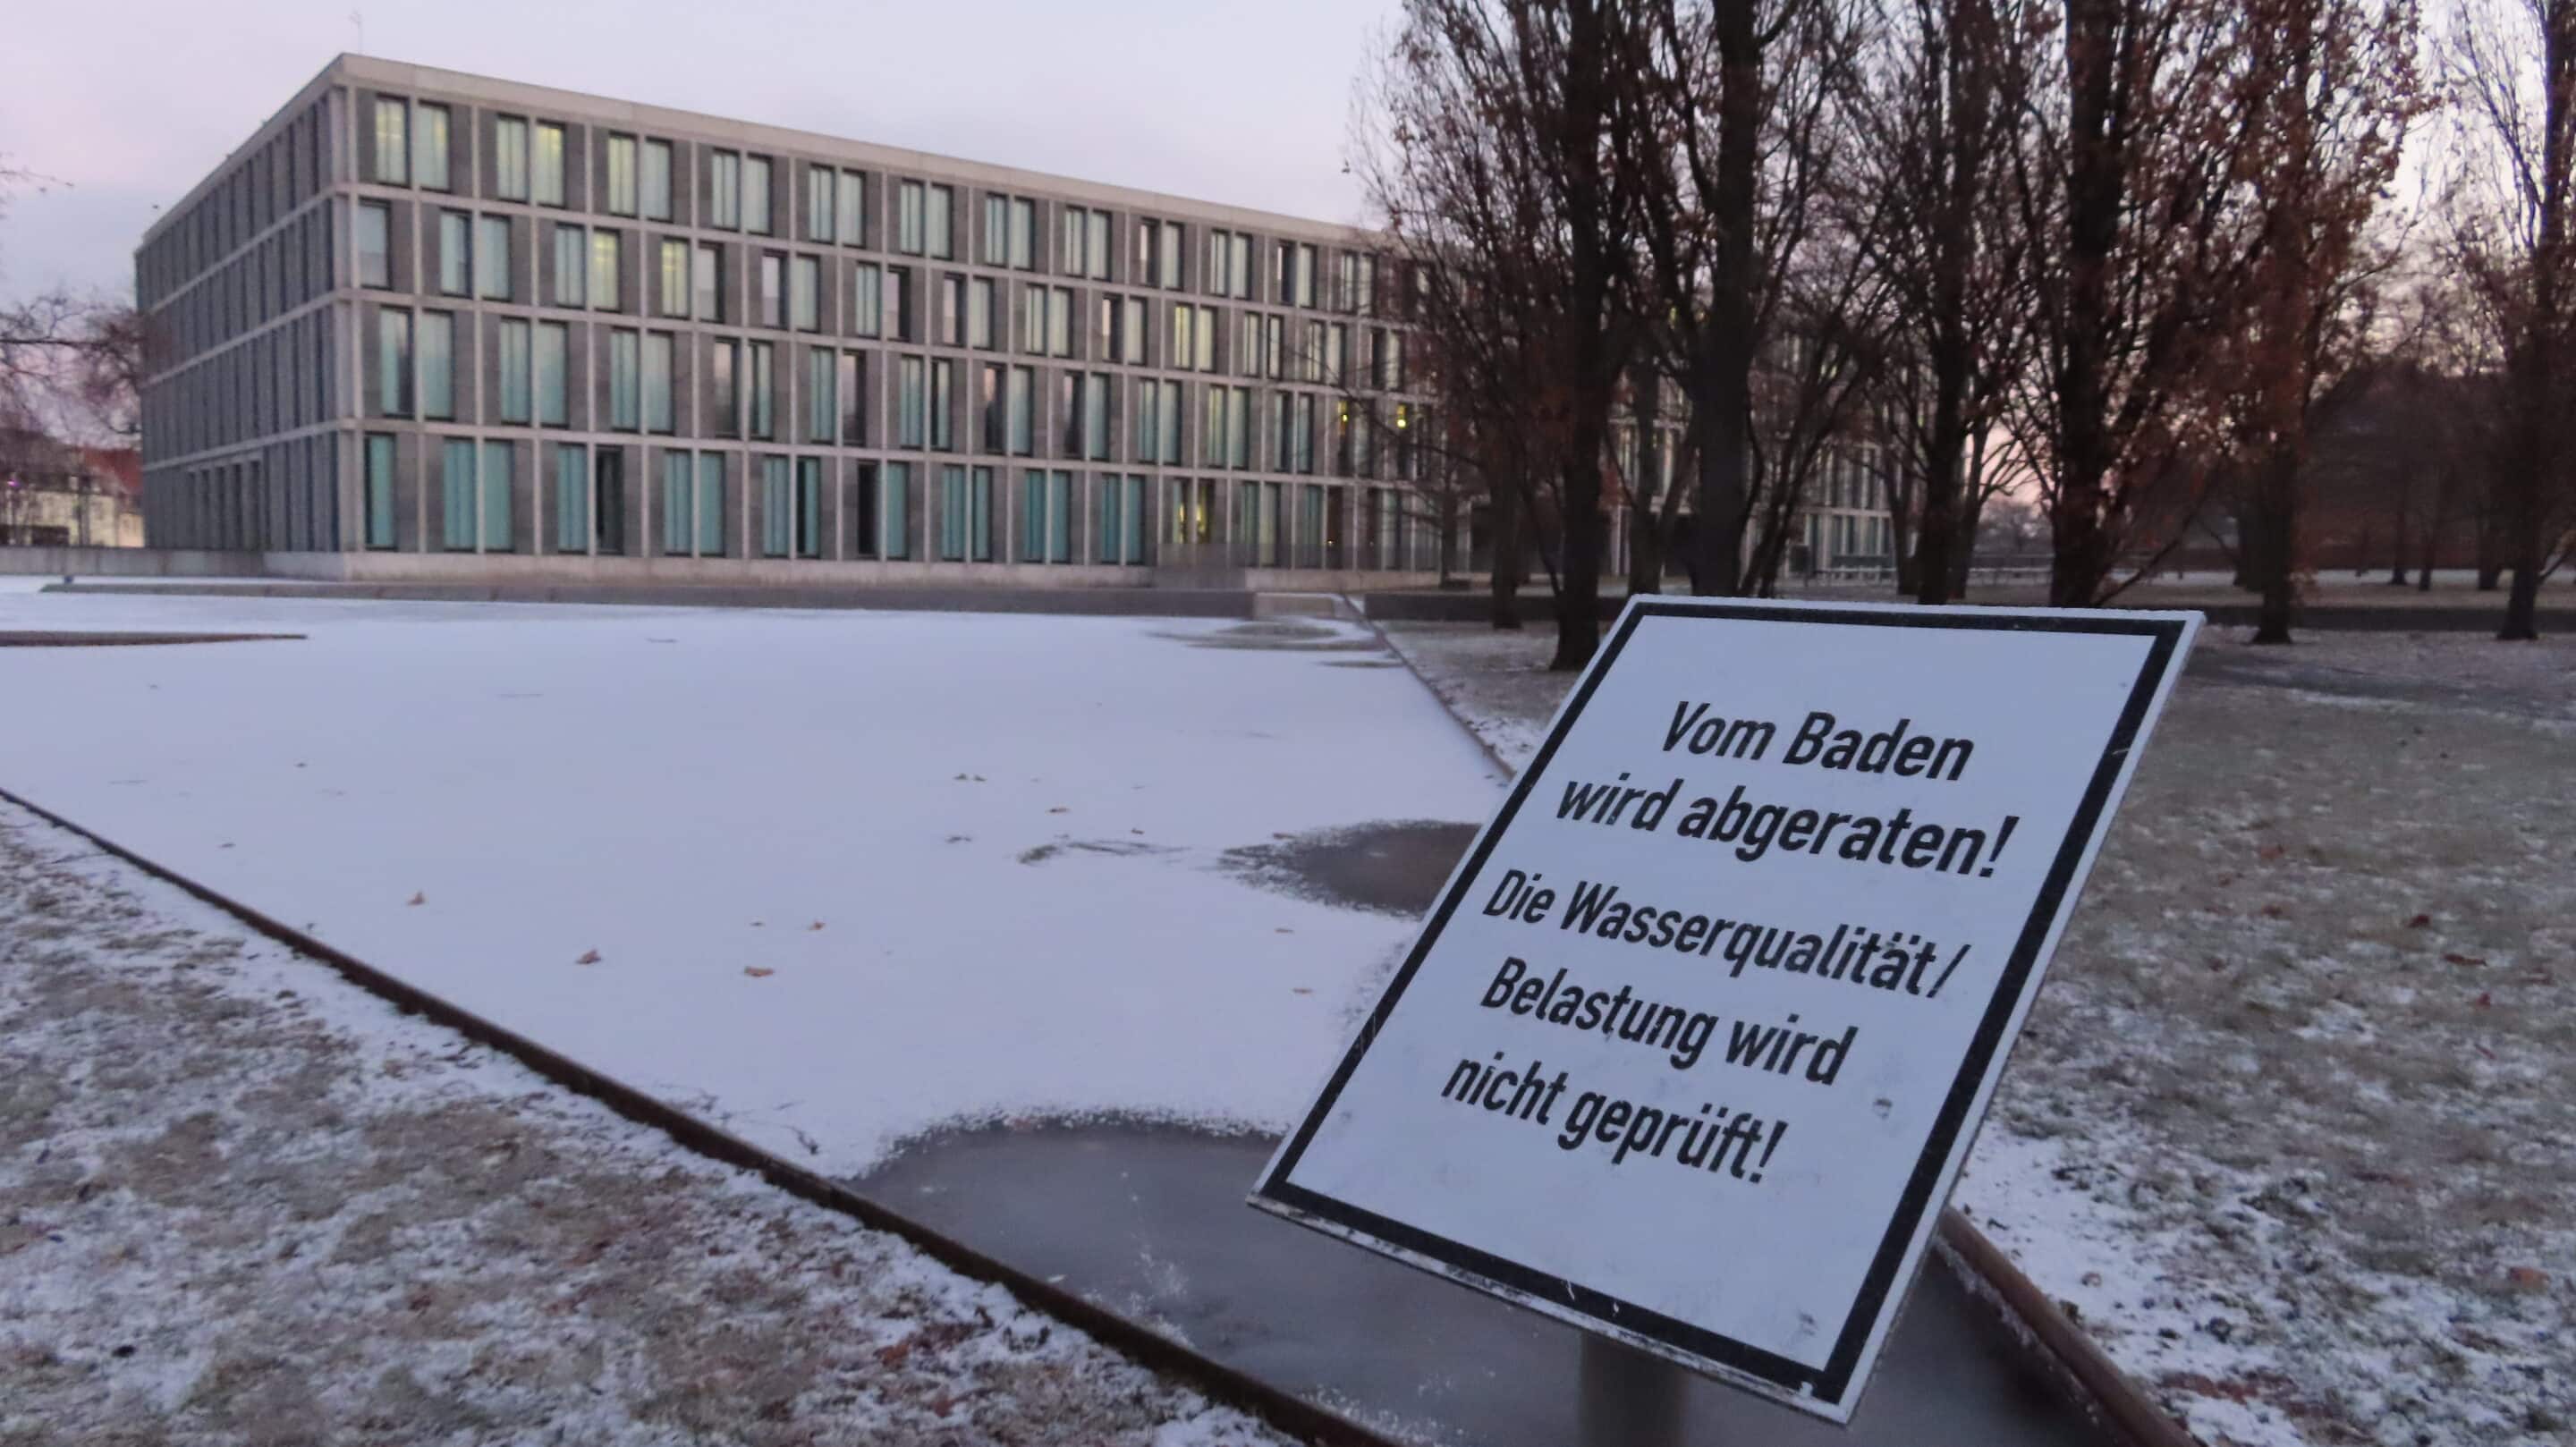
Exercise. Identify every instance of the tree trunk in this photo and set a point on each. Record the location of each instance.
(1506, 615)
(2522, 605)
(2095, 190)
(1722, 394)
(1964, 533)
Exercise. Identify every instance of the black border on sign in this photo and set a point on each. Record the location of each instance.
(1880, 1283)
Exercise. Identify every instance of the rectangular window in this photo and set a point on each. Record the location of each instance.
(1132, 338)
(854, 398)
(1109, 532)
(515, 366)
(822, 410)
(1149, 424)
(777, 517)
(554, 347)
(436, 353)
(1022, 406)
(706, 281)
(621, 175)
(809, 507)
(510, 158)
(393, 142)
(380, 490)
(1275, 336)
(711, 509)
(953, 512)
(724, 367)
(851, 210)
(393, 363)
(804, 294)
(755, 195)
(1097, 244)
(456, 496)
(375, 244)
(1171, 419)
(818, 203)
(990, 434)
(951, 329)
(606, 251)
(943, 383)
(655, 181)
(546, 169)
(572, 498)
(1095, 416)
(979, 516)
(895, 516)
(1168, 255)
(1072, 262)
(625, 362)
(911, 402)
(1212, 450)
(908, 217)
(1238, 427)
(1180, 346)
(768, 301)
(1033, 516)
(724, 190)
(455, 256)
(1024, 232)
(572, 266)
(1060, 324)
(899, 302)
(760, 389)
(671, 294)
(997, 230)
(937, 222)
(679, 507)
(1059, 517)
(492, 258)
(429, 147)
(979, 313)
(1239, 264)
(657, 381)
(867, 299)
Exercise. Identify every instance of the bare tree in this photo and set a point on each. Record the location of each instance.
(1934, 107)
(2131, 171)
(2510, 68)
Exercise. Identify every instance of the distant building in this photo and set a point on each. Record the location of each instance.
(53, 494)
(431, 325)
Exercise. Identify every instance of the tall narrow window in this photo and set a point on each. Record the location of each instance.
(572, 498)
(1095, 416)
(1059, 517)
(621, 175)
(1171, 421)
(777, 516)
(1072, 262)
(979, 517)
(804, 294)
(707, 282)
(867, 299)
(910, 402)
(724, 190)
(393, 363)
(1033, 516)
(908, 218)
(761, 390)
(429, 147)
(492, 258)
(770, 299)
(679, 507)
(997, 230)
(380, 490)
(895, 523)
(979, 313)
(936, 222)
(1168, 255)
(515, 368)
(455, 255)
(657, 381)
(572, 266)
(899, 321)
(853, 392)
(1149, 426)
(990, 434)
(437, 360)
(822, 409)
(851, 209)
(510, 158)
(724, 362)
(1132, 338)
(1022, 407)
(866, 511)
(606, 250)
(554, 348)
(1024, 232)
(818, 203)
(671, 290)
(1238, 427)
(1096, 244)
(498, 495)
(625, 362)
(809, 507)
(393, 141)
(1060, 323)
(375, 244)
(456, 495)
(654, 182)
(943, 383)
(546, 169)
(711, 508)
(952, 512)
(755, 195)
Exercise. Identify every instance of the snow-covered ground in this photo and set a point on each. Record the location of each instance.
(242, 1201)
(2290, 1128)
(832, 879)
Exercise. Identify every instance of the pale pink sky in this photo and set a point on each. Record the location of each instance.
(130, 102)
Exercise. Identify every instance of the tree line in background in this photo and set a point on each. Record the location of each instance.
(2139, 262)
(70, 365)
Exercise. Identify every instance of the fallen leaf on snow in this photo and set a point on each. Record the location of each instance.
(417, 898)
(2458, 959)
(2419, 921)
(588, 957)
(758, 972)
(818, 924)
(2527, 1278)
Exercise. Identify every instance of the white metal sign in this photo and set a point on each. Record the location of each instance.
(1695, 1040)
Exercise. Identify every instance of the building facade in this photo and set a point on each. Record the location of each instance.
(430, 325)
(55, 494)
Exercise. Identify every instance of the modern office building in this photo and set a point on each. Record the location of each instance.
(427, 325)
